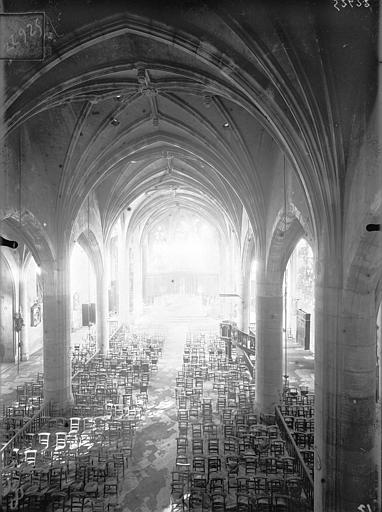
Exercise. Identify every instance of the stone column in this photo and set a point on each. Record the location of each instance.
(123, 277)
(327, 374)
(269, 315)
(138, 303)
(57, 360)
(245, 302)
(345, 390)
(23, 298)
(379, 415)
(102, 312)
(358, 412)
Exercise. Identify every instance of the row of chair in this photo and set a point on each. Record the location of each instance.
(226, 459)
(76, 462)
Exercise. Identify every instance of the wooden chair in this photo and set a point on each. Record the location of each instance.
(74, 424)
(232, 484)
(181, 445)
(243, 502)
(197, 447)
(210, 429)
(250, 464)
(198, 482)
(177, 500)
(30, 457)
(281, 503)
(242, 484)
(213, 464)
(216, 483)
(181, 476)
(213, 446)
(196, 429)
(293, 486)
(110, 486)
(196, 501)
(263, 504)
(44, 440)
(199, 464)
(218, 502)
(183, 428)
(57, 500)
(77, 501)
(232, 464)
(60, 443)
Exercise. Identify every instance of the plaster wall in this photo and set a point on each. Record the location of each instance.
(7, 350)
(35, 334)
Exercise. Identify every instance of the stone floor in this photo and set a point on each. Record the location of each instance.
(13, 375)
(146, 485)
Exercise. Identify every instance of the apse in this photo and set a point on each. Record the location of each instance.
(181, 260)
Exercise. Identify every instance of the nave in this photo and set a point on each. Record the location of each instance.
(167, 436)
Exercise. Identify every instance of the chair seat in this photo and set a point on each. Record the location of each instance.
(91, 488)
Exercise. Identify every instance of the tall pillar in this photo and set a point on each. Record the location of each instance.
(328, 368)
(24, 333)
(57, 360)
(358, 415)
(245, 302)
(102, 313)
(379, 416)
(123, 276)
(269, 315)
(345, 408)
(138, 283)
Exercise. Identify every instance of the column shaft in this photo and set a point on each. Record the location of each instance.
(123, 279)
(138, 283)
(245, 300)
(102, 314)
(57, 361)
(269, 314)
(328, 369)
(358, 412)
(345, 389)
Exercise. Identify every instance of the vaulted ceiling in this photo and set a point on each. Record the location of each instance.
(200, 97)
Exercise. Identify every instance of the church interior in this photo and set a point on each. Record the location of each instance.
(191, 255)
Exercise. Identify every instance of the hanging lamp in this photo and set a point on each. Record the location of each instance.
(18, 319)
(89, 302)
(286, 376)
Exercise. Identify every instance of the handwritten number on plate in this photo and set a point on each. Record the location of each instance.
(23, 34)
(12, 44)
(38, 26)
(31, 31)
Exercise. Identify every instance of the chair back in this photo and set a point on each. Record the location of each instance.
(43, 438)
(30, 457)
(75, 424)
(60, 440)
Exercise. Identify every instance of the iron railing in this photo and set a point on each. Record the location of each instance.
(20, 438)
(293, 450)
(250, 364)
(245, 341)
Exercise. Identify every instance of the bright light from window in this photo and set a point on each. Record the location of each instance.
(82, 275)
(183, 244)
